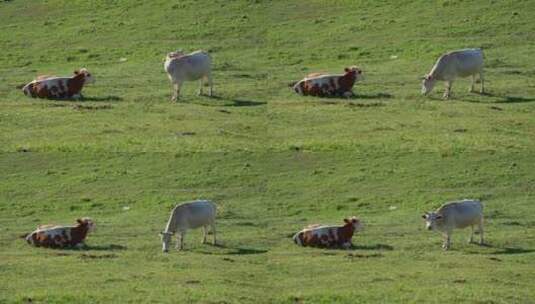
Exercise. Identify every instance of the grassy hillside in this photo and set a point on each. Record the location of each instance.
(273, 161)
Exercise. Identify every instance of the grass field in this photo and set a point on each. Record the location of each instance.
(272, 160)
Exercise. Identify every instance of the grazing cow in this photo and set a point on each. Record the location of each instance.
(59, 87)
(328, 236)
(460, 214)
(187, 216)
(325, 85)
(182, 67)
(462, 63)
(55, 236)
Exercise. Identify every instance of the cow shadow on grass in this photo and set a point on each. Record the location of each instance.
(108, 247)
(102, 98)
(383, 247)
(235, 102)
(513, 250)
(372, 96)
(500, 98)
(235, 250)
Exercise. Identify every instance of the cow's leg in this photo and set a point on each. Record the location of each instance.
(200, 85)
(448, 89)
(180, 239)
(473, 82)
(212, 226)
(204, 232)
(176, 92)
(480, 228)
(481, 78)
(210, 84)
(471, 239)
(447, 240)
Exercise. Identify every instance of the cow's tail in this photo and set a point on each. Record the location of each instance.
(298, 238)
(28, 89)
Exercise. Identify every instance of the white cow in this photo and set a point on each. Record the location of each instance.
(187, 216)
(460, 214)
(462, 63)
(182, 67)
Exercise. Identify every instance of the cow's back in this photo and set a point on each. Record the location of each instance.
(194, 214)
(458, 63)
(192, 66)
(461, 214)
(53, 237)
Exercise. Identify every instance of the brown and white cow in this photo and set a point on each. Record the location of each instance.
(59, 87)
(325, 85)
(328, 236)
(55, 236)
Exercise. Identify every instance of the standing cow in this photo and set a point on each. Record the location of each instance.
(328, 236)
(188, 216)
(59, 87)
(460, 214)
(182, 67)
(462, 63)
(55, 236)
(325, 85)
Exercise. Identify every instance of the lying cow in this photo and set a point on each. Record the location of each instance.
(328, 236)
(325, 85)
(462, 63)
(59, 87)
(182, 67)
(188, 216)
(453, 215)
(54, 236)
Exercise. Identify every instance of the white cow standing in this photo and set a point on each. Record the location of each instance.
(186, 216)
(460, 214)
(182, 67)
(462, 63)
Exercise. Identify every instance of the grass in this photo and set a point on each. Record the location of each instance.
(273, 161)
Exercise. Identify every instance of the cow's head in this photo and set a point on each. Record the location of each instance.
(88, 223)
(175, 54)
(428, 82)
(166, 240)
(356, 72)
(354, 222)
(88, 78)
(432, 219)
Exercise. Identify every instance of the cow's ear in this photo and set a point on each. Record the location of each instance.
(76, 72)
(79, 221)
(346, 221)
(438, 217)
(424, 216)
(346, 70)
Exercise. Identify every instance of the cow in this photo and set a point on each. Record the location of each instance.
(461, 63)
(182, 67)
(57, 236)
(328, 236)
(325, 85)
(52, 87)
(190, 215)
(458, 214)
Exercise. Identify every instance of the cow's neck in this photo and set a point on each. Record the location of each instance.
(76, 83)
(78, 233)
(346, 231)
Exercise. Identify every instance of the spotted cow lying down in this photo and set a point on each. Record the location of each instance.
(328, 236)
(54, 236)
(53, 87)
(325, 85)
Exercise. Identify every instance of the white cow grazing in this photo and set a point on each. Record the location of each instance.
(462, 63)
(460, 214)
(187, 216)
(182, 67)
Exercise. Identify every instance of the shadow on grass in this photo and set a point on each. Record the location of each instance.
(501, 98)
(373, 247)
(235, 102)
(372, 96)
(236, 250)
(513, 250)
(103, 98)
(109, 247)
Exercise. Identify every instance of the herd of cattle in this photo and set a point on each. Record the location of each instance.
(202, 213)
(181, 67)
